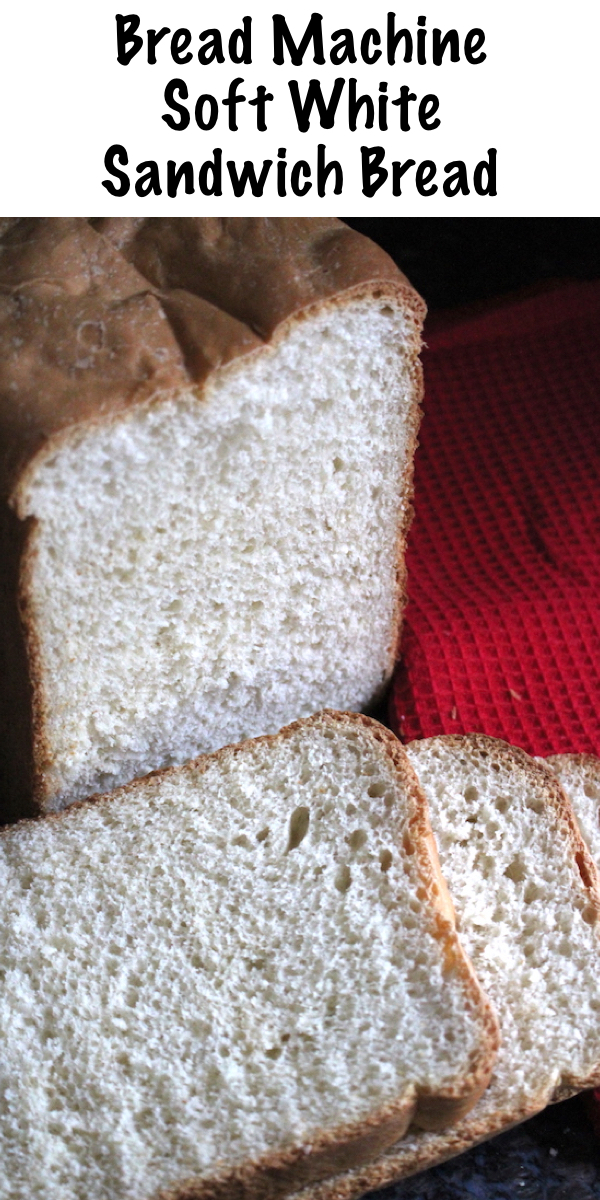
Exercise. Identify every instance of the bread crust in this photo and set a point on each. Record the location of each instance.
(350, 1145)
(98, 318)
(398, 1163)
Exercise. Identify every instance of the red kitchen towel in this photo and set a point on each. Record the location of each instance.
(502, 630)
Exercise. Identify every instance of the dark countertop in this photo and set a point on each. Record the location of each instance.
(555, 1156)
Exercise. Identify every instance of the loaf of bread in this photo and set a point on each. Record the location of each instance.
(232, 977)
(207, 432)
(527, 901)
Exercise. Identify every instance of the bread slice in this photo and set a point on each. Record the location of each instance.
(232, 977)
(579, 775)
(528, 911)
(208, 429)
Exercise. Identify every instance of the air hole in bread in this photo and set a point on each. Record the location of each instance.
(516, 871)
(263, 835)
(377, 789)
(410, 922)
(343, 879)
(356, 839)
(385, 859)
(243, 841)
(535, 803)
(299, 822)
(471, 793)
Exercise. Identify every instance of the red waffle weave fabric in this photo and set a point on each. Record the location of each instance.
(502, 630)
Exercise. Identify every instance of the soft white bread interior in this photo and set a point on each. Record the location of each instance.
(207, 429)
(526, 896)
(205, 571)
(579, 775)
(241, 973)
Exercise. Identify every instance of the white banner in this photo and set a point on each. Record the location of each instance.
(454, 108)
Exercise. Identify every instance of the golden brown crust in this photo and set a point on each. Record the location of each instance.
(98, 317)
(262, 271)
(378, 1174)
(278, 1174)
(350, 1145)
(91, 315)
(401, 1162)
(394, 1165)
(81, 338)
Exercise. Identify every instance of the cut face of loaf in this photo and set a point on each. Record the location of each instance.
(526, 895)
(242, 973)
(579, 775)
(204, 571)
(224, 552)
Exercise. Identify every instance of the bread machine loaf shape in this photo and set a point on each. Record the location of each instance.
(208, 428)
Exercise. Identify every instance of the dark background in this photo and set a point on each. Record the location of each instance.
(461, 260)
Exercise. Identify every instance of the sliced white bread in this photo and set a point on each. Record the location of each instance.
(232, 977)
(526, 895)
(579, 775)
(207, 430)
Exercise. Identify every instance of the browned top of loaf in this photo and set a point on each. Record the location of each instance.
(98, 316)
